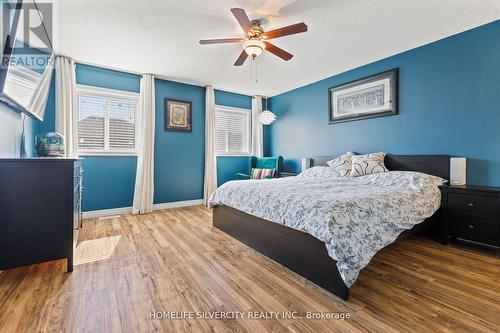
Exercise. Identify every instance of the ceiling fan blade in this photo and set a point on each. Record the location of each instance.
(242, 19)
(286, 31)
(221, 40)
(241, 59)
(278, 51)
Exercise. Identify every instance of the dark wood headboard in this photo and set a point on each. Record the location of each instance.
(436, 165)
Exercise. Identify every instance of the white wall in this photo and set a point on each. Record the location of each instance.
(10, 132)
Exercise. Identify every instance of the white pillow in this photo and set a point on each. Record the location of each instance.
(318, 172)
(342, 164)
(367, 164)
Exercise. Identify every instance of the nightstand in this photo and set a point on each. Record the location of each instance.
(471, 213)
(288, 174)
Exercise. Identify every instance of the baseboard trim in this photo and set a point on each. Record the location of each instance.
(106, 212)
(128, 210)
(178, 204)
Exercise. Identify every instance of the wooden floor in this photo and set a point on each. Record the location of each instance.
(174, 260)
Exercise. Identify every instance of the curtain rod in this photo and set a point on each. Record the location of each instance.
(158, 76)
(108, 67)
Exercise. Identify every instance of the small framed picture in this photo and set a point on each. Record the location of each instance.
(177, 115)
(373, 96)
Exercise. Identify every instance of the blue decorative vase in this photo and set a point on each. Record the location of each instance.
(49, 145)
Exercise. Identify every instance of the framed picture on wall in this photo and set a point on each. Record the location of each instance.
(373, 96)
(177, 115)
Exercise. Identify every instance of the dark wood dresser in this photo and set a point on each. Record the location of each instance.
(40, 210)
(472, 213)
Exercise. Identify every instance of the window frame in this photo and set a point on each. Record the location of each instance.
(248, 114)
(111, 94)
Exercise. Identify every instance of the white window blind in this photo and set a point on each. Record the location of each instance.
(232, 131)
(91, 122)
(106, 121)
(121, 124)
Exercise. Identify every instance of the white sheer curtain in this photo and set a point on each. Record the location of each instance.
(39, 99)
(257, 149)
(210, 184)
(66, 104)
(144, 179)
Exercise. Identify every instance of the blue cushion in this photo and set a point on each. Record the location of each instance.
(266, 162)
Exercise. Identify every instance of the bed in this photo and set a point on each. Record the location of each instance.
(291, 229)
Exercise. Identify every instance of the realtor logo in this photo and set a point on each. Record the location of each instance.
(26, 33)
(26, 27)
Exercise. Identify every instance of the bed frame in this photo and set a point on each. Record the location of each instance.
(301, 252)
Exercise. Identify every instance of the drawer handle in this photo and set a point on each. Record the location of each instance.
(471, 226)
(470, 204)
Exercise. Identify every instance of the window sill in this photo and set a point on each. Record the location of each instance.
(107, 153)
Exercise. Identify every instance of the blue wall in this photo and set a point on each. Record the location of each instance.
(49, 120)
(449, 103)
(179, 156)
(108, 181)
(233, 100)
(105, 78)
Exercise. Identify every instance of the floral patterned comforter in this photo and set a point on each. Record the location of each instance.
(354, 216)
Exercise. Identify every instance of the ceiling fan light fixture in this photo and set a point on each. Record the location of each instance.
(256, 40)
(254, 47)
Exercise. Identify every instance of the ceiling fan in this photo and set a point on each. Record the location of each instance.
(256, 39)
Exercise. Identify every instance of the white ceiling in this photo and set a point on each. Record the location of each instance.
(161, 36)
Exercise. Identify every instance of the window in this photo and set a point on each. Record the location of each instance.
(106, 121)
(232, 131)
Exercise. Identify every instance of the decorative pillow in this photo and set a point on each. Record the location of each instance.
(342, 165)
(368, 164)
(262, 173)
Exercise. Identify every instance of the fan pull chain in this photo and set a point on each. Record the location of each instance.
(251, 69)
(253, 64)
(256, 71)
